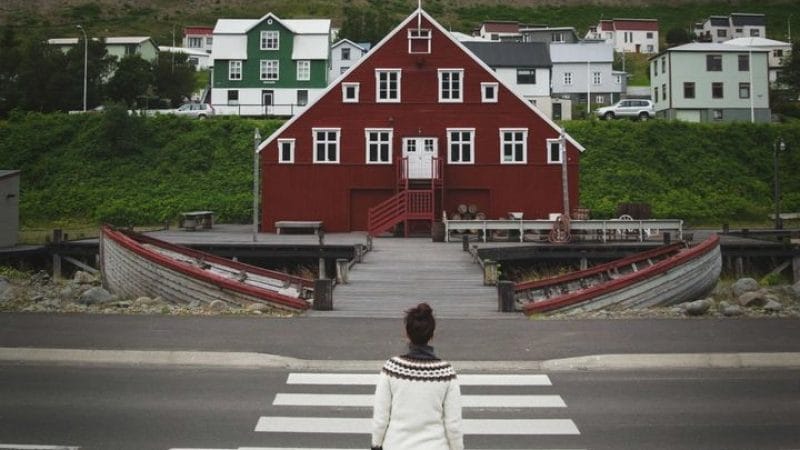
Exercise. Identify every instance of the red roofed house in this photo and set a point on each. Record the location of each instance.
(417, 127)
(627, 35)
(500, 30)
(198, 38)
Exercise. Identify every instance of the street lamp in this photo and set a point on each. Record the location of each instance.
(85, 63)
(256, 143)
(779, 144)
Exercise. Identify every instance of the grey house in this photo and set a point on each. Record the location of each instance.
(584, 70)
(9, 207)
(549, 34)
(701, 82)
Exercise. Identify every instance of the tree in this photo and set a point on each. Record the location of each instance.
(786, 99)
(173, 79)
(678, 36)
(133, 79)
(9, 62)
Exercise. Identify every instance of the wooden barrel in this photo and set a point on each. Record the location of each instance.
(462, 208)
(472, 208)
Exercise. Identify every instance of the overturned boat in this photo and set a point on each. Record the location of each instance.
(666, 275)
(133, 264)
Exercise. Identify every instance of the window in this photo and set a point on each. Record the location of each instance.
(649, 35)
(617, 79)
(744, 90)
(233, 97)
(195, 42)
(345, 54)
(269, 69)
(303, 70)
(419, 40)
(209, 41)
(513, 145)
(343, 69)
(655, 67)
(713, 63)
(655, 95)
(688, 90)
(740, 30)
(350, 92)
(302, 97)
(595, 78)
(270, 40)
(716, 90)
(130, 49)
(722, 33)
(716, 114)
(777, 53)
(601, 99)
(461, 144)
(568, 78)
(554, 151)
(526, 76)
(379, 146)
(755, 32)
(489, 92)
(326, 145)
(286, 151)
(650, 48)
(234, 70)
(744, 63)
(663, 64)
(664, 92)
(451, 84)
(387, 85)
(558, 37)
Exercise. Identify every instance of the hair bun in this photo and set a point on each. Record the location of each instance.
(422, 310)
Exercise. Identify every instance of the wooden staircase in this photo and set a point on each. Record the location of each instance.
(409, 203)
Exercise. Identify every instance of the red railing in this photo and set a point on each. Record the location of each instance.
(403, 206)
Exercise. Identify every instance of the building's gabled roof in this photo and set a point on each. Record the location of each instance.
(757, 42)
(419, 12)
(636, 24)
(310, 46)
(708, 47)
(462, 37)
(198, 29)
(584, 51)
(127, 40)
(745, 19)
(511, 54)
(500, 26)
(296, 26)
(719, 21)
(348, 41)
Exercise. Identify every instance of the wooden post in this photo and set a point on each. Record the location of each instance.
(359, 253)
(369, 243)
(739, 270)
(667, 238)
(323, 272)
(584, 263)
(465, 243)
(57, 237)
(342, 271)
(490, 275)
(323, 295)
(321, 236)
(505, 296)
(796, 269)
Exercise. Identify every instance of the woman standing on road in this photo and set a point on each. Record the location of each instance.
(417, 399)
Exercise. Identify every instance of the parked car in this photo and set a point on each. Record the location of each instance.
(197, 110)
(631, 108)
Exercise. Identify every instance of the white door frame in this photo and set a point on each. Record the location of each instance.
(420, 152)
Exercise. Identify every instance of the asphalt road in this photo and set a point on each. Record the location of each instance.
(372, 339)
(166, 408)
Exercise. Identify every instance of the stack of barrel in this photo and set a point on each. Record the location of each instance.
(468, 212)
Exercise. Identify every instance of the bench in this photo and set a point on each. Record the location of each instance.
(314, 225)
(191, 220)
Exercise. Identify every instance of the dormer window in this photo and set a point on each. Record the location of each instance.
(270, 40)
(419, 40)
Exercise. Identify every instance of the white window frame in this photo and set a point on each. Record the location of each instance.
(291, 143)
(346, 99)
(378, 73)
(235, 70)
(268, 36)
(264, 69)
(315, 141)
(550, 159)
(419, 34)
(347, 54)
(303, 70)
(471, 143)
(597, 78)
(568, 78)
(503, 143)
(460, 98)
(485, 98)
(368, 142)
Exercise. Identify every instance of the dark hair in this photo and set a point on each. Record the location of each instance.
(420, 324)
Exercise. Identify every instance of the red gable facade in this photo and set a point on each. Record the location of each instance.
(419, 126)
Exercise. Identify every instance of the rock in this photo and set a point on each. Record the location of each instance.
(36, 297)
(122, 304)
(67, 293)
(96, 296)
(217, 305)
(744, 285)
(753, 299)
(144, 301)
(257, 307)
(698, 307)
(732, 310)
(82, 277)
(40, 278)
(773, 305)
(4, 285)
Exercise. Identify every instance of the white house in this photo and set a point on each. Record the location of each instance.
(499, 30)
(737, 25)
(584, 70)
(198, 38)
(344, 54)
(200, 59)
(778, 52)
(627, 35)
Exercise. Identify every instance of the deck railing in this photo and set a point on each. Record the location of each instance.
(603, 230)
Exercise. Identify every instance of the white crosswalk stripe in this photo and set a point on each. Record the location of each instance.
(467, 401)
(463, 379)
(362, 426)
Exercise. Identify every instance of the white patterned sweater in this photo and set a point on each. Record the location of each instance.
(417, 406)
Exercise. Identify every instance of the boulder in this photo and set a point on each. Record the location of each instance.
(753, 299)
(67, 293)
(144, 301)
(82, 277)
(96, 296)
(729, 310)
(773, 305)
(217, 305)
(698, 307)
(743, 285)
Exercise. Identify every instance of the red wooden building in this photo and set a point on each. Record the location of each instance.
(419, 126)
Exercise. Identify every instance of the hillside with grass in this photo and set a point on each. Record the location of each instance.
(92, 168)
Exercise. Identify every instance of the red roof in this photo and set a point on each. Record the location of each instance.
(198, 30)
(636, 24)
(501, 27)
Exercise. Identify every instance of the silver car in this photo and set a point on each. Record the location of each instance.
(631, 108)
(197, 110)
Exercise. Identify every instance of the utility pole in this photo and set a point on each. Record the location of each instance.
(85, 63)
(256, 143)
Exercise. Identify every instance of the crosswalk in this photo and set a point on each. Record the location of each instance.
(332, 408)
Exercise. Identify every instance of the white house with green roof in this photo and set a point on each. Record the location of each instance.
(269, 66)
(708, 82)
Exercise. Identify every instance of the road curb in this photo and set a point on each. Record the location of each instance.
(244, 360)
